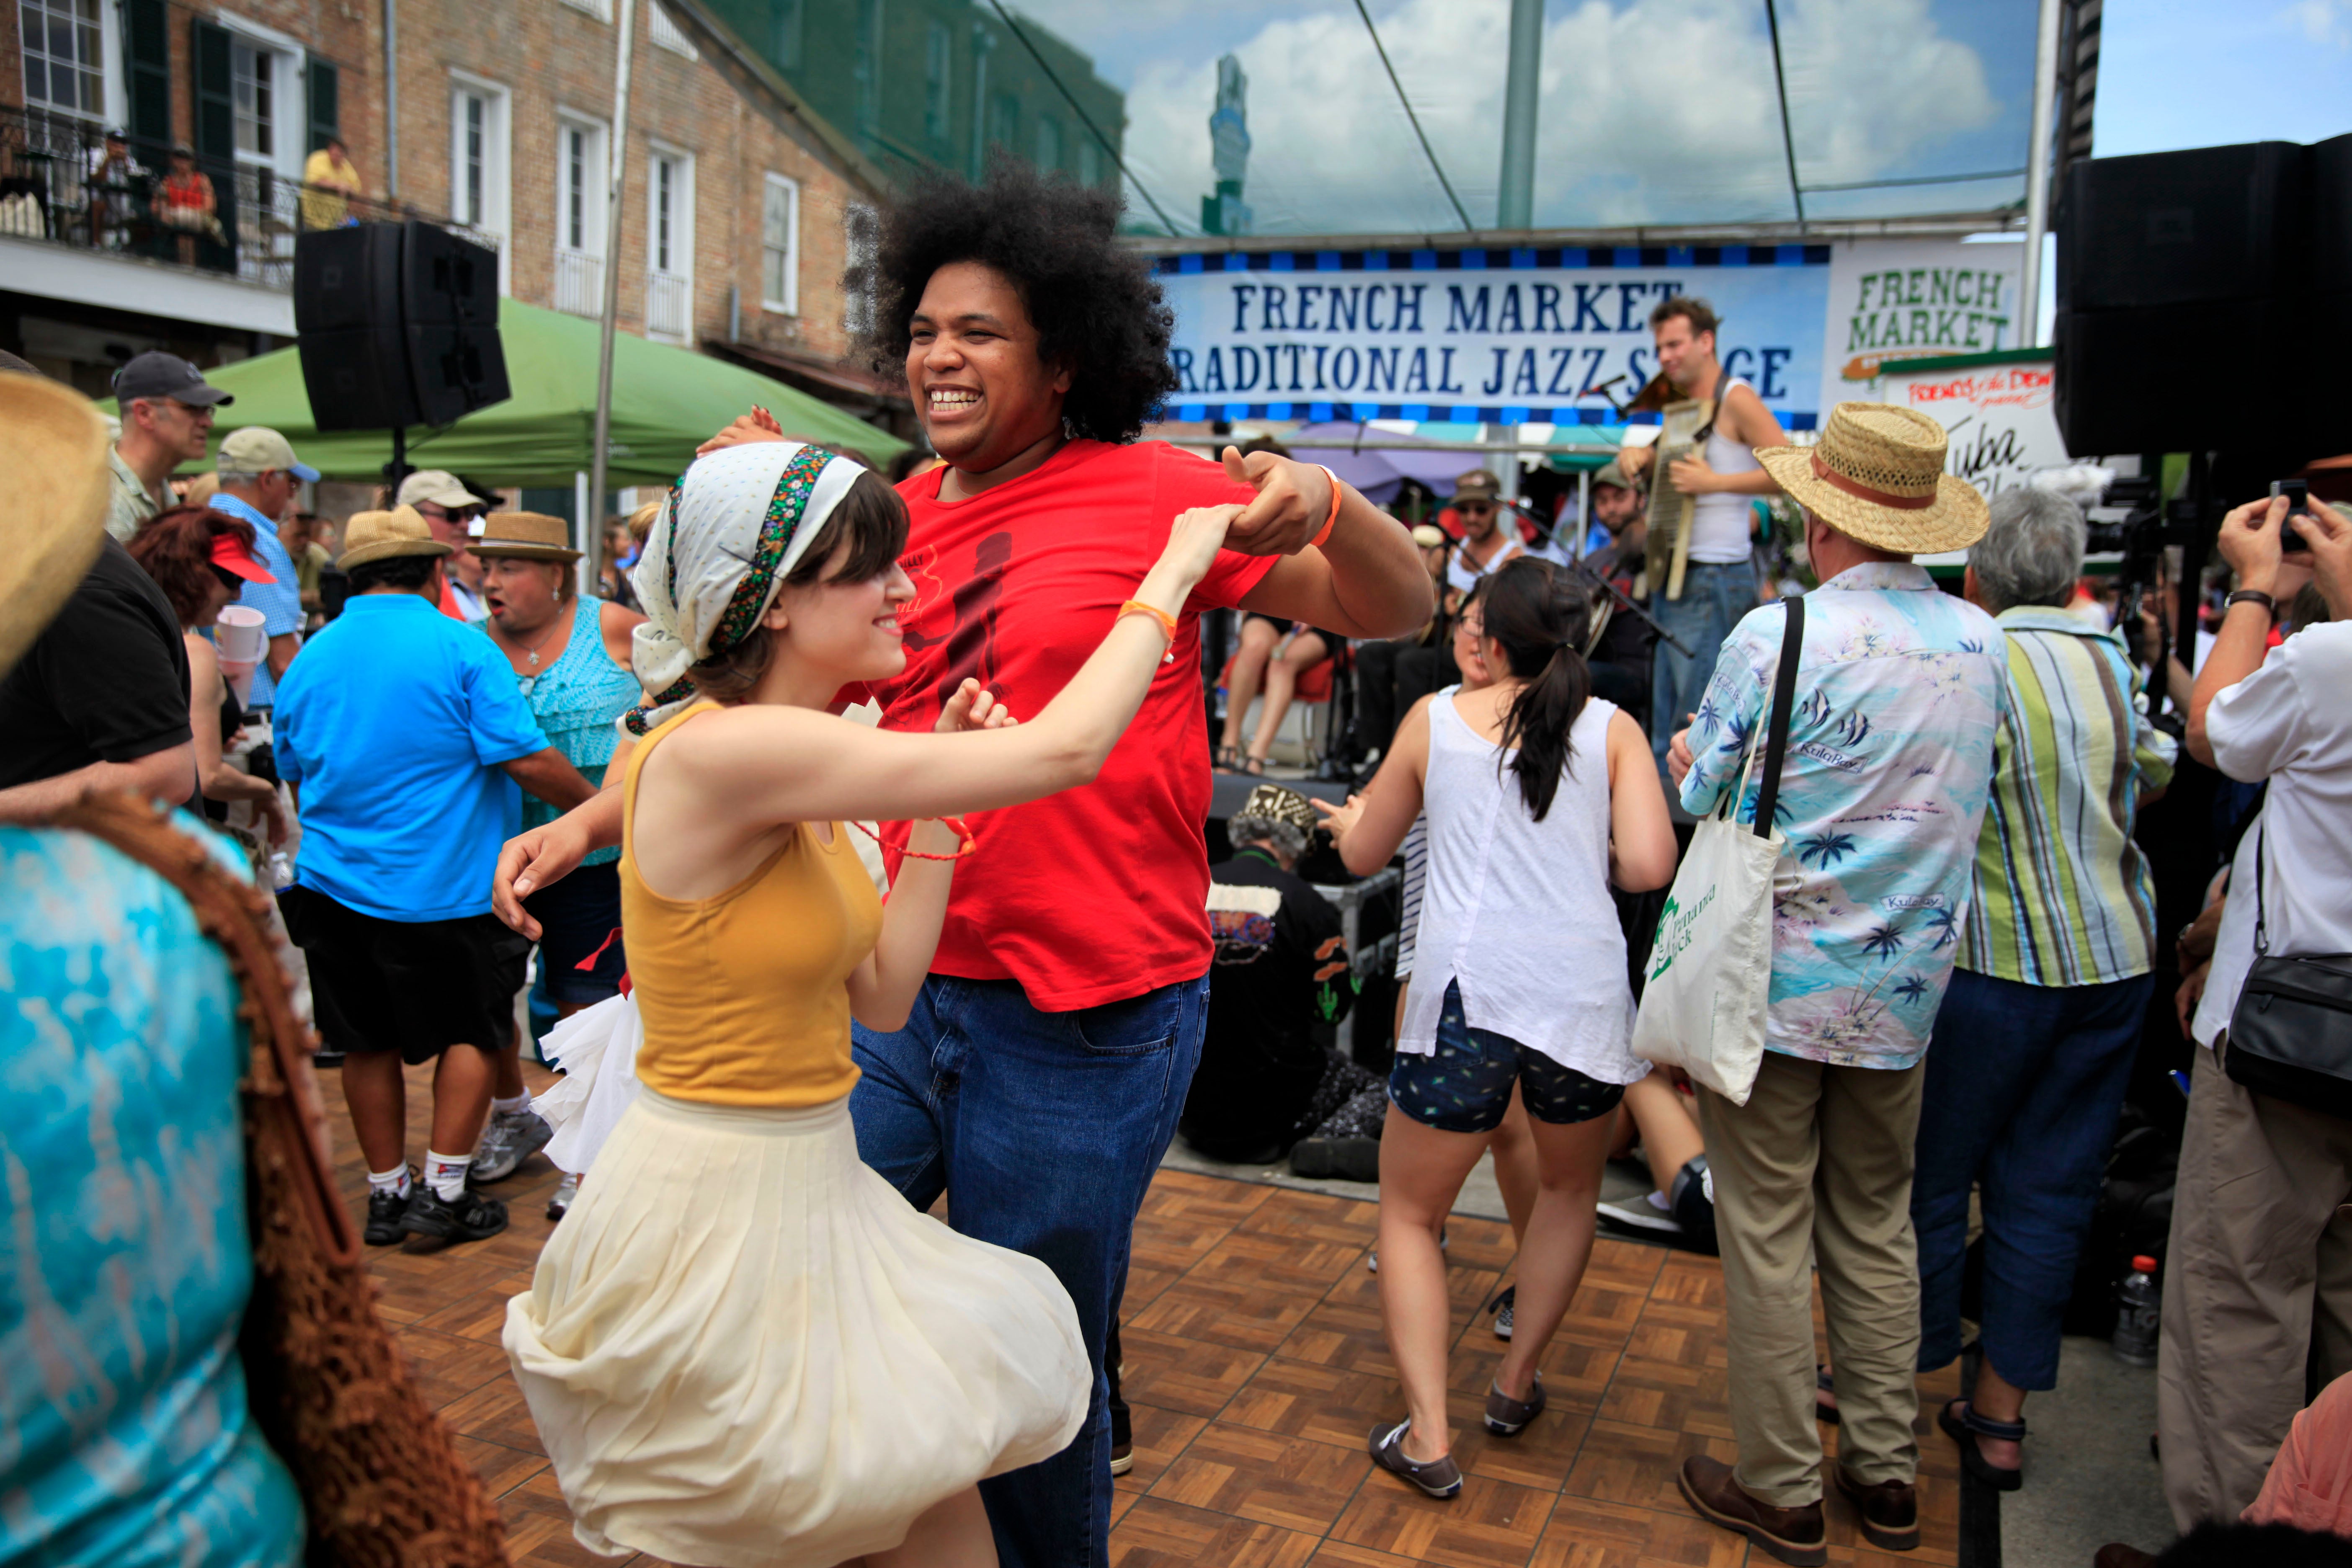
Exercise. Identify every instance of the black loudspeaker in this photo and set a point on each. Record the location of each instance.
(398, 326)
(2183, 228)
(2195, 290)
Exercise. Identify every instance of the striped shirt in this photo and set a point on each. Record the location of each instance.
(2061, 895)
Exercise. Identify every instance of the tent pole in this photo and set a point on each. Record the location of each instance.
(590, 527)
(1518, 201)
(2037, 177)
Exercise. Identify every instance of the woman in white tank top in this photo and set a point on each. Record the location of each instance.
(1539, 796)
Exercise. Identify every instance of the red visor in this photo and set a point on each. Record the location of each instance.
(230, 555)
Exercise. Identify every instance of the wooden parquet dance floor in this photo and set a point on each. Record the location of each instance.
(1255, 1368)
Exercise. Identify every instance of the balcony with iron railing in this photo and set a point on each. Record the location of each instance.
(578, 281)
(670, 305)
(229, 218)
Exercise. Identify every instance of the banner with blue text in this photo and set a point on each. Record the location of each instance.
(1506, 337)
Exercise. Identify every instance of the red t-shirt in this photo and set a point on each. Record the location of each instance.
(1097, 894)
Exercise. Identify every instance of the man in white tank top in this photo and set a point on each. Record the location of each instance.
(1719, 586)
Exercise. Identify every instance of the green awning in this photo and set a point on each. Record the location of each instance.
(665, 401)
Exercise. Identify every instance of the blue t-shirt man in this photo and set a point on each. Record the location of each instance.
(280, 603)
(393, 723)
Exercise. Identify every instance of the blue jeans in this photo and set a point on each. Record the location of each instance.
(1045, 1130)
(2025, 1084)
(1714, 597)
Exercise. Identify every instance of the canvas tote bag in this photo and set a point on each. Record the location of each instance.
(1710, 970)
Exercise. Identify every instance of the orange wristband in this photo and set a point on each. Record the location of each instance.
(1167, 623)
(1329, 521)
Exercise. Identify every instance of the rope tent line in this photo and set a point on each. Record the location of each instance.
(1414, 120)
(1084, 118)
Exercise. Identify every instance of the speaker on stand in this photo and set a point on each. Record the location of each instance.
(397, 324)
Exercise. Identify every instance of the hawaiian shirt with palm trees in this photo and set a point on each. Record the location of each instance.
(1899, 694)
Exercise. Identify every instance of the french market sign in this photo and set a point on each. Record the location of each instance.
(1508, 337)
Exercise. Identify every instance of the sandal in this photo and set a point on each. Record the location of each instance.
(1226, 759)
(1827, 1415)
(1966, 1428)
(1250, 767)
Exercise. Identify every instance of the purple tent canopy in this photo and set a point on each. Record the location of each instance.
(1380, 475)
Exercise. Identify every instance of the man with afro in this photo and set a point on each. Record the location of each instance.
(1040, 1076)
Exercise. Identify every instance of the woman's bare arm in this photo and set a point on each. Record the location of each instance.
(1641, 834)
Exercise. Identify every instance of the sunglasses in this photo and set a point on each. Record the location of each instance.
(1477, 507)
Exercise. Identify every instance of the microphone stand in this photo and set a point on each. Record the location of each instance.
(1593, 579)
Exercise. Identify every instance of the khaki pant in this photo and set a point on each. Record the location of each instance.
(2256, 1255)
(1817, 1166)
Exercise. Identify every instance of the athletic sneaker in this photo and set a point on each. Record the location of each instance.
(1122, 1439)
(386, 1210)
(512, 1137)
(1641, 1214)
(566, 1191)
(472, 1218)
(1502, 1310)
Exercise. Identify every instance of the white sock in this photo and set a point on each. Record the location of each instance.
(445, 1175)
(509, 1107)
(1658, 1201)
(394, 1180)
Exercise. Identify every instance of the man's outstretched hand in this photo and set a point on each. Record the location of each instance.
(1293, 500)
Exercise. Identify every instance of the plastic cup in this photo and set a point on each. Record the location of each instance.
(239, 636)
(239, 673)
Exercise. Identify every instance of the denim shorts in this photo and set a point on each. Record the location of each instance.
(1465, 1086)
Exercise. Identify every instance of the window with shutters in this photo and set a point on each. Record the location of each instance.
(581, 177)
(479, 180)
(253, 85)
(1090, 160)
(865, 64)
(1003, 121)
(664, 31)
(780, 247)
(65, 56)
(669, 245)
(1049, 144)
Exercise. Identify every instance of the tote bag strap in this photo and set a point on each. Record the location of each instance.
(1776, 735)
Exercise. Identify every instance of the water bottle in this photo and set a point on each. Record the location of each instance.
(2136, 1315)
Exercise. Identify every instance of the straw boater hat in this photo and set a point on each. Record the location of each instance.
(530, 535)
(381, 535)
(53, 483)
(1878, 476)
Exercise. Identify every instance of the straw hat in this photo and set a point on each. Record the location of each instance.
(529, 535)
(1878, 476)
(53, 483)
(381, 535)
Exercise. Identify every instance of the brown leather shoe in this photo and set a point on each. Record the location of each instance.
(1889, 1510)
(2115, 1554)
(1794, 1535)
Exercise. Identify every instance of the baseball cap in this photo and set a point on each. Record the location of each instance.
(257, 450)
(231, 555)
(1612, 473)
(1476, 485)
(159, 374)
(440, 487)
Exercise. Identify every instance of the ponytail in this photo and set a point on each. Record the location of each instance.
(1541, 616)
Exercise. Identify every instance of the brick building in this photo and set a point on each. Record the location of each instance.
(497, 121)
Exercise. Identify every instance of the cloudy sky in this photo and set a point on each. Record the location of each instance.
(1665, 111)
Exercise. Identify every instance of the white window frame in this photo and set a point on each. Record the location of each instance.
(595, 183)
(681, 237)
(600, 9)
(790, 304)
(497, 162)
(662, 28)
(116, 105)
(290, 90)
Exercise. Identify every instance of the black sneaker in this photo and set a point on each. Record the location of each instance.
(387, 1211)
(471, 1218)
(1122, 1439)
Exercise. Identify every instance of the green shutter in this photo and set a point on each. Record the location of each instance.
(215, 136)
(147, 66)
(325, 83)
(215, 118)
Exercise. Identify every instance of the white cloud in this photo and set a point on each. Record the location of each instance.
(2321, 21)
(1655, 110)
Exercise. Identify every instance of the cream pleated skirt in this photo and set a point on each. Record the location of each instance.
(742, 1348)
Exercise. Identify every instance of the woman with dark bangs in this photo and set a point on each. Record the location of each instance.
(201, 559)
(743, 1347)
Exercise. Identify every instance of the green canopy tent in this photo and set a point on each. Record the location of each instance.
(665, 401)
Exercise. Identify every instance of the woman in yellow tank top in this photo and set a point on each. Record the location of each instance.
(742, 1346)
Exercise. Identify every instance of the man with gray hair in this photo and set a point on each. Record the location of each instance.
(259, 479)
(2035, 1036)
(1282, 975)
